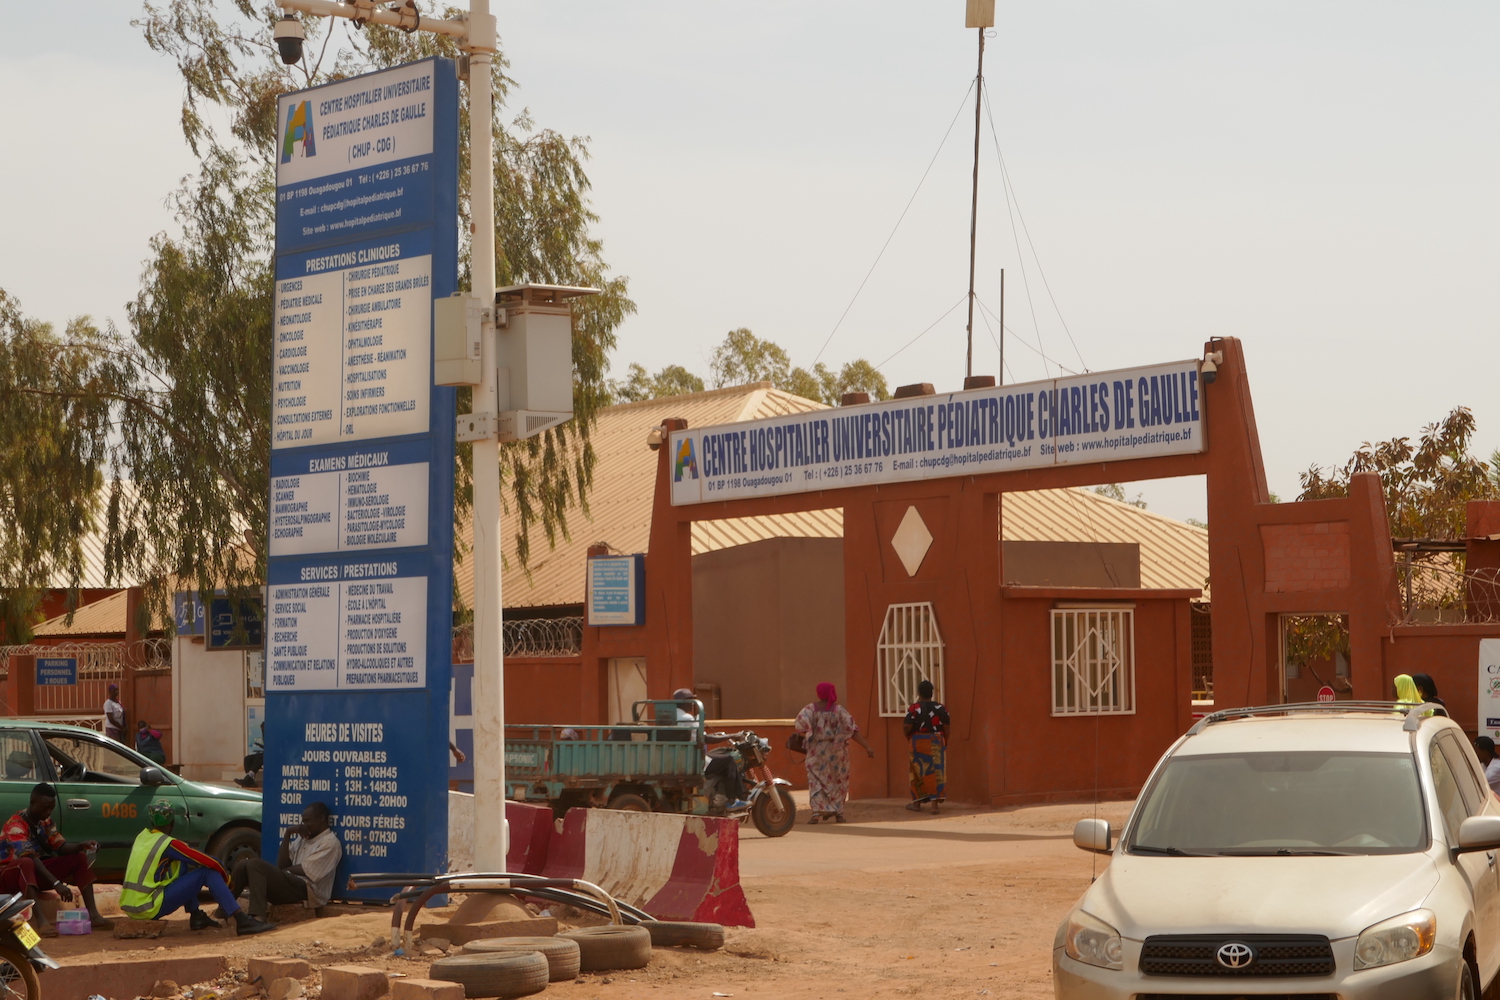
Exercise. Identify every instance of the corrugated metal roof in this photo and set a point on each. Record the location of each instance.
(101, 617)
(1173, 554)
(92, 544)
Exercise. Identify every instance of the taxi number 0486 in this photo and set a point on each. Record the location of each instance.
(119, 810)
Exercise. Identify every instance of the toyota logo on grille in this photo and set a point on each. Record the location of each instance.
(1234, 955)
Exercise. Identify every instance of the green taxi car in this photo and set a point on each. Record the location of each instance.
(103, 789)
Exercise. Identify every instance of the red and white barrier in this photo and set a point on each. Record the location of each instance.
(674, 867)
(530, 837)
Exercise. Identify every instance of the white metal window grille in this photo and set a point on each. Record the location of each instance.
(1093, 661)
(910, 651)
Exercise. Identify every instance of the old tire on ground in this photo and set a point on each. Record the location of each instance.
(630, 802)
(684, 934)
(768, 819)
(561, 953)
(234, 845)
(496, 974)
(601, 949)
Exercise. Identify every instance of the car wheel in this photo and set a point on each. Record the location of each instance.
(630, 802)
(235, 845)
(1466, 988)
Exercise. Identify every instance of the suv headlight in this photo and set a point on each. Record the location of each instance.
(1399, 939)
(1093, 942)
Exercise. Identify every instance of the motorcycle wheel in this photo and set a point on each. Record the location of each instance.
(764, 813)
(17, 977)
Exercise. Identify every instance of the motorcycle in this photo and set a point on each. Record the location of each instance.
(21, 956)
(768, 801)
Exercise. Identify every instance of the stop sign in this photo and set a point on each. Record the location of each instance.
(1325, 693)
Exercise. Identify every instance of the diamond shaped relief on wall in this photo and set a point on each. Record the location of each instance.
(911, 541)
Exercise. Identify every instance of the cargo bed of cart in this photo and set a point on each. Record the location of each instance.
(648, 764)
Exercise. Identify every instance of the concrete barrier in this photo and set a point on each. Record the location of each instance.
(674, 867)
(531, 830)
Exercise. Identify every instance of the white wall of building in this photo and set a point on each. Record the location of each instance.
(208, 709)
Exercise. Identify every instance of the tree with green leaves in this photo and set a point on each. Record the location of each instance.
(57, 394)
(743, 357)
(1427, 485)
(1117, 492)
(190, 405)
(638, 385)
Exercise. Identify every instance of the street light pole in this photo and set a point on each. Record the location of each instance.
(477, 38)
(491, 831)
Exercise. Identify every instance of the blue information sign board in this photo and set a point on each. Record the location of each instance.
(56, 670)
(616, 588)
(221, 626)
(359, 594)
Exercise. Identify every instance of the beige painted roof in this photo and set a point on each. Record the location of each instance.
(1174, 555)
(103, 616)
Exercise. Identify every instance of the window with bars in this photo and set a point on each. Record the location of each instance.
(1093, 661)
(910, 651)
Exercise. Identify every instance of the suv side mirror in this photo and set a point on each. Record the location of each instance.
(153, 776)
(1479, 833)
(1095, 835)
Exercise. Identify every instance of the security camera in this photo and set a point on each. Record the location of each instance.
(655, 438)
(1210, 367)
(289, 38)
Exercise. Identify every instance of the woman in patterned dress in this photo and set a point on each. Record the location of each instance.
(926, 726)
(828, 727)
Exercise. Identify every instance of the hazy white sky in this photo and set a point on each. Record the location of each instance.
(1316, 178)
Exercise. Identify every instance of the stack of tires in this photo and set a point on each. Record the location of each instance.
(520, 966)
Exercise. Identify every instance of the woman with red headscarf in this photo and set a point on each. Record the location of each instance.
(828, 727)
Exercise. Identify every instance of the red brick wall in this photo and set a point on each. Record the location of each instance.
(1301, 557)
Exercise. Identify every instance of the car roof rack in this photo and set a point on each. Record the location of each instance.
(1414, 713)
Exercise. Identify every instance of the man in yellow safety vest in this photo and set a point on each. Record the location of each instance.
(164, 874)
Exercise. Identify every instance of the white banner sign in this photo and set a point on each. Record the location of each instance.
(1103, 417)
(1489, 688)
(360, 631)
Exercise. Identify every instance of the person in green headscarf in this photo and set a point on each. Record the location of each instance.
(164, 874)
(1406, 691)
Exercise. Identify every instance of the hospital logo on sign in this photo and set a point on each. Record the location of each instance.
(298, 138)
(685, 461)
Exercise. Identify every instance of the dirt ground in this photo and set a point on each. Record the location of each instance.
(890, 904)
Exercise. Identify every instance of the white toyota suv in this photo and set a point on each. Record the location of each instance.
(1302, 852)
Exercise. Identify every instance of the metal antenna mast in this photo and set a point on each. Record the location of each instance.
(978, 14)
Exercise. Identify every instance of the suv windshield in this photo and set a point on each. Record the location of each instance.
(1283, 804)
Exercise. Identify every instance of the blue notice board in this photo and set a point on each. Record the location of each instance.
(56, 671)
(616, 589)
(359, 596)
(221, 627)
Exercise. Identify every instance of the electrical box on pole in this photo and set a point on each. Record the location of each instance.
(456, 324)
(534, 363)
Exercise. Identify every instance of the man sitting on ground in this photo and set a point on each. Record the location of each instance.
(41, 859)
(303, 872)
(164, 874)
